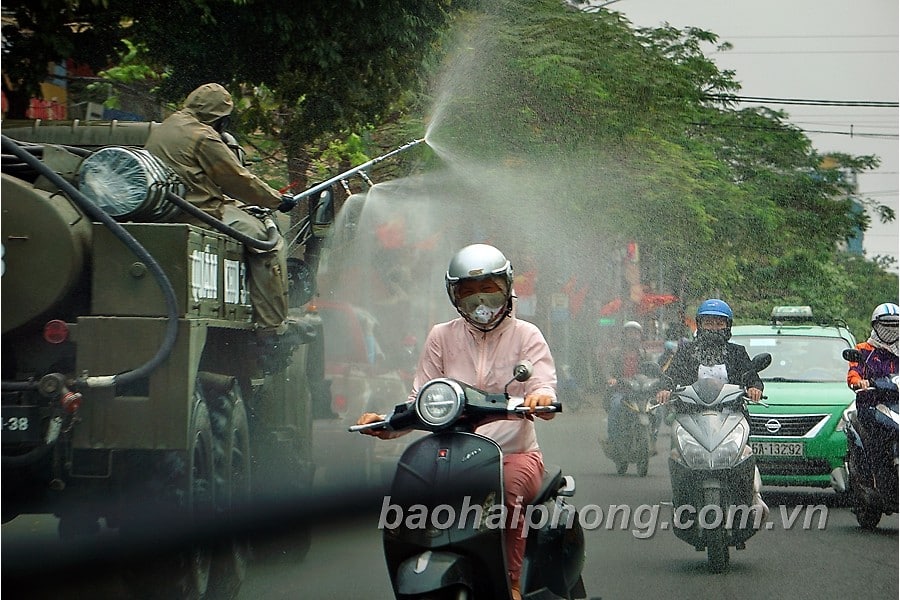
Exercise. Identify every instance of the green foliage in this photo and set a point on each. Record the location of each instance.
(741, 204)
(131, 69)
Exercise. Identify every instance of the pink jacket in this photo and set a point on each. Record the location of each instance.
(457, 350)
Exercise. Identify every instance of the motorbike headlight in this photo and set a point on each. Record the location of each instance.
(439, 402)
(692, 453)
(730, 451)
(726, 454)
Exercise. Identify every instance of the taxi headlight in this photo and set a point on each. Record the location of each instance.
(439, 402)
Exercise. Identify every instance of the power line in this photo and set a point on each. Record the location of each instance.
(892, 136)
(800, 101)
(805, 36)
(782, 52)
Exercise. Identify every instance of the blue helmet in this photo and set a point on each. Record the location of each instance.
(715, 308)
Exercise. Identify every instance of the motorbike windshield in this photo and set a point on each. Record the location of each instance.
(708, 390)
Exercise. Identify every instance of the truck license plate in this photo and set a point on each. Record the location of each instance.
(20, 424)
(777, 448)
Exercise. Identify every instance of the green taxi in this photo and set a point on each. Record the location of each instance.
(798, 439)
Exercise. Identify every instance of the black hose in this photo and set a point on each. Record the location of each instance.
(272, 234)
(139, 251)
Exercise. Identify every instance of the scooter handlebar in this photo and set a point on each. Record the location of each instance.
(555, 407)
(760, 401)
(368, 426)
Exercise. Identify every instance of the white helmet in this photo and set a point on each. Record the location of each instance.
(633, 325)
(476, 262)
(885, 318)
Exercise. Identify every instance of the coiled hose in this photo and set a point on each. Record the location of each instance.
(168, 342)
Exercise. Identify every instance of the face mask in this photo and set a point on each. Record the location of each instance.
(483, 308)
(711, 336)
(886, 333)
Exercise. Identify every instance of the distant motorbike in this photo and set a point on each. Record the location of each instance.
(712, 468)
(872, 458)
(633, 438)
(455, 472)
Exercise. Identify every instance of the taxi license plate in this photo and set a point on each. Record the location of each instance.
(777, 448)
(20, 424)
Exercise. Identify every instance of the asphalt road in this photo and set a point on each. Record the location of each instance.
(811, 547)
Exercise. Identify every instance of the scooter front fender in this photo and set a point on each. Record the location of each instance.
(431, 571)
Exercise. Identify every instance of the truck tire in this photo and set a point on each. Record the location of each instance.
(182, 490)
(231, 442)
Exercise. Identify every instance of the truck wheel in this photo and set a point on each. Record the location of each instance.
(183, 494)
(231, 440)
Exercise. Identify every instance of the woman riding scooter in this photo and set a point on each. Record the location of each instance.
(470, 348)
(878, 358)
(879, 352)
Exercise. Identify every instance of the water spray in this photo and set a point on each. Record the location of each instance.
(343, 176)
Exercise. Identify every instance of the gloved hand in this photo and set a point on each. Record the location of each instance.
(287, 203)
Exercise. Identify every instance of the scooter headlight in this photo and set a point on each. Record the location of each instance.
(846, 417)
(440, 402)
(692, 453)
(730, 451)
(727, 454)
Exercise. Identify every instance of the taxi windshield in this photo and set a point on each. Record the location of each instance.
(796, 358)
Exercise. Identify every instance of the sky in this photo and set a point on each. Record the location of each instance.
(843, 50)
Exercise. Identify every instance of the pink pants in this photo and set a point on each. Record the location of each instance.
(522, 475)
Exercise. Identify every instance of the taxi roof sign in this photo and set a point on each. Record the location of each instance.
(791, 313)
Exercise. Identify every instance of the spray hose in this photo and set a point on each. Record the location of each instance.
(359, 169)
(272, 234)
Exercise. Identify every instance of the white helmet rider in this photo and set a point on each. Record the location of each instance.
(484, 311)
(885, 318)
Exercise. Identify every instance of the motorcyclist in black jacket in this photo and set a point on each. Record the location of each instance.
(711, 355)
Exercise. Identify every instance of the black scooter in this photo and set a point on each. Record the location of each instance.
(443, 521)
(872, 459)
(633, 439)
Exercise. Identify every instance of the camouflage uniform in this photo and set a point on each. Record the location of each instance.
(219, 184)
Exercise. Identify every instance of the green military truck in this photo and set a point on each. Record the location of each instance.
(137, 395)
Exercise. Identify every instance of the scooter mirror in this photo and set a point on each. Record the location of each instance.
(761, 361)
(851, 355)
(523, 371)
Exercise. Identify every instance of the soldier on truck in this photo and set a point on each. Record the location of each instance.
(190, 142)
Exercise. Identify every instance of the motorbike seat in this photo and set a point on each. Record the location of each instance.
(549, 484)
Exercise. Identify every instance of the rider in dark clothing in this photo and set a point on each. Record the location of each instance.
(711, 355)
(699, 353)
(878, 359)
(623, 365)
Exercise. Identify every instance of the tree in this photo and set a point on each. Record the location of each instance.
(631, 131)
(328, 67)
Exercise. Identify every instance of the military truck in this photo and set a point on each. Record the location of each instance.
(137, 396)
